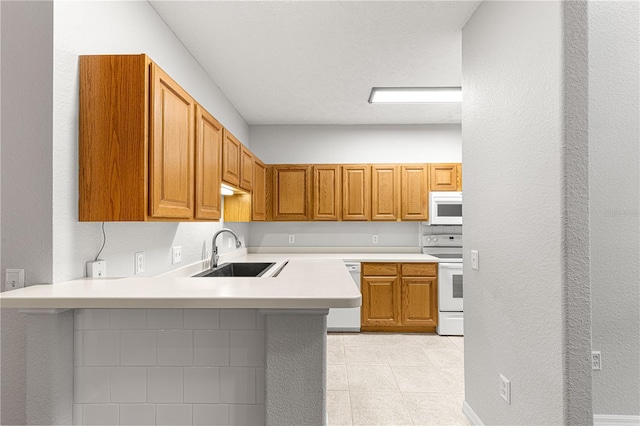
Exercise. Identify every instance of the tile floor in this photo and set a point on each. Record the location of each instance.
(395, 379)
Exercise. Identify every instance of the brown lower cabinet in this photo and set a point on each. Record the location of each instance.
(399, 297)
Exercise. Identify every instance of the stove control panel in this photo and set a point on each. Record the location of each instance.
(444, 240)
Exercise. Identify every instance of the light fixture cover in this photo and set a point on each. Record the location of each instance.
(413, 95)
(226, 190)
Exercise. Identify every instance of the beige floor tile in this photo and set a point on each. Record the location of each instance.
(334, 338)
(419, 379)
(371, 378)
(335, 354)
(407, 355)
(446, 358)
(366, 355)
(379, 408)
(434, 409)
(339, 408)
(458, 341)
(337, 377)
(433, 341)
(454, 378)
(372, 339)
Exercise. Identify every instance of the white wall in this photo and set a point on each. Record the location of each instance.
(27, 61)
(349, 144)
(614, 111)
(513, 153)
(109, 28)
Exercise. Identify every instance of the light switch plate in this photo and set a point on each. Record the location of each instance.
(475, 260)
(14, 278)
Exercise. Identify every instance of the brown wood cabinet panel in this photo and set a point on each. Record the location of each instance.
(113, 137)
(231, 150)
(356, 192)
(246, 169)
(208, 165)
(379, 269)
(415, 192)
(419, 296)
(326, 192)
(385, 192)
(380, 301)
(291, 192)
(259, 194)
(172, 147)
(444, 177)
(419, 269)
(459, 182)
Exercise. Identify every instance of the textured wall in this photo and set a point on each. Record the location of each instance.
(109, 28)
(513, 184)
(614, 111)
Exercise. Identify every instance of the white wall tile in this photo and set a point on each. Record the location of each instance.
(210, 415)
(100, 415)
(128, 384)
(247, 348)
(134, 415)
(77, 414)
(211, 347)
(91, 319)
(175, 347)
(164, 319)
(260, 385)
(164, 384)
(78, 352)
(101, 347)
(138, 347)
(168, 414)
(201, 385)
(238, 385)
(128, 319)
(246, 415)
(91, 385)
(238, 319)
(202, 319)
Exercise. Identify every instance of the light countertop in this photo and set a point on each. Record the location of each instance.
(309, 281)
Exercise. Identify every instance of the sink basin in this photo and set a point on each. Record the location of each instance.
(239, 269)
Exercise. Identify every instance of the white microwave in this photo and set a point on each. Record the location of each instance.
(445, 208)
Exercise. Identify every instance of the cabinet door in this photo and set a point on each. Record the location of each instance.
(208, 165)
(380, 301)
(385, 192)
(231, 149)
(444, 177)
(171, 148)
(246, 169)
(326, 192)
(459, 170)
(356, 192)
(415, 192)
(419, 301)
(259, 194)
(291, 192)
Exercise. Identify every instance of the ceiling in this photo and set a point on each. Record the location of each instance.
(315, 62)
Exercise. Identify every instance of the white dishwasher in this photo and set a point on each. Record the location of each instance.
(346, 319)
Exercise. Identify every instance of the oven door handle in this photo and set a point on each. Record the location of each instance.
(450, 265)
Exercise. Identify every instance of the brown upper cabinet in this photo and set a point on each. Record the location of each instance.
(138, 152)
(208, 165)
(246, 169)
(291, 192)
(446, 177)
(385, 192)
(259, 193)
(356, 192)
(326, 192)
(231, 154)
(415, 192)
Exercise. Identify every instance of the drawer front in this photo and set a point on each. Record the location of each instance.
(380, 269)
(419, 269)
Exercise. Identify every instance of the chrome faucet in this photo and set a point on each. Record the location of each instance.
(214, 251)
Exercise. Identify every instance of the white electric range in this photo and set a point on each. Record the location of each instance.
(448, 249)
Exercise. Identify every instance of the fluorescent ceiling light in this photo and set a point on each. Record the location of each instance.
(226, 190)
(415, 95)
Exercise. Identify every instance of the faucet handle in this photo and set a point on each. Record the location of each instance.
(238, 243)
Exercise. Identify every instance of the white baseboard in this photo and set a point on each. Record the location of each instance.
(471, 415)
(614, 420)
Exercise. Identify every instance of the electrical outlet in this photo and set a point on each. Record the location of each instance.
(292, 239)
(596, 360)
(176, 254)
(505, 389)
(139, 262)
(229, 243)
(14, 278)
(97, 269)
(374, 240)
(475, 260)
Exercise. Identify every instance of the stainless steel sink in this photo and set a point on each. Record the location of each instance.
(237, 269)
